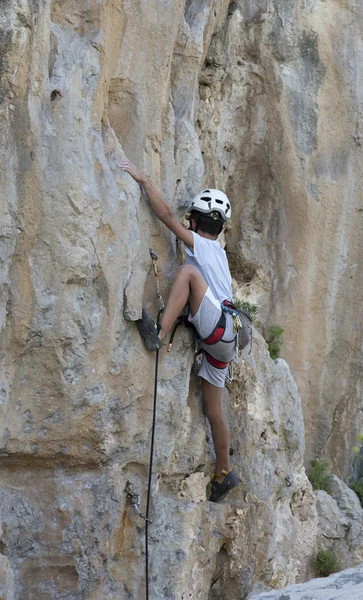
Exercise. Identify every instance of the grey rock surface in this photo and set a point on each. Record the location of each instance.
(345, 585)
(346, 499)
(7, 583)
(340, 523)
(285, 77)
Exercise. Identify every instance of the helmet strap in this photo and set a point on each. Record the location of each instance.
(196, 219)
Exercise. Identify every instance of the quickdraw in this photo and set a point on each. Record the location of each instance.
(134, 500)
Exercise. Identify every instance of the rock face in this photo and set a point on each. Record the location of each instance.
(7, 586)
(68, 528)
(341, 524)
(284, 76)
(347, 584)
(193, 92)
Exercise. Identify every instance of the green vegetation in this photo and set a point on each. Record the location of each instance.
(358, 454)
(357, 487)
(251, 309)
(356, 449)
(274, 341)
(319, 476)
(326, 563)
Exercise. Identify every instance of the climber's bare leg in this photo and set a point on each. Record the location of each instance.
(188, 286)
(213, 410)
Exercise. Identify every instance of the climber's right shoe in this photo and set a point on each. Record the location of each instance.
(149, 332)
(220, 489)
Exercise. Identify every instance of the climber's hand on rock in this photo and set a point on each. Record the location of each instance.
(127, 166)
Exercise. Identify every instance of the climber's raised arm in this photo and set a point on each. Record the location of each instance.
(161, 209)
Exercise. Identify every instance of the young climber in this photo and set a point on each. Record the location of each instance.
(205, 283)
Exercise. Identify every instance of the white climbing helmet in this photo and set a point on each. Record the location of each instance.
(210, 201)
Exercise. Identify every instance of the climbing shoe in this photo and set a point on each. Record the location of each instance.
(220, 489)
(149, 332)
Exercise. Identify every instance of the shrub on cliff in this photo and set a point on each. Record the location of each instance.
(326, 563)
(357, 487)
(319, 476)
(251, 309)
(274, 341)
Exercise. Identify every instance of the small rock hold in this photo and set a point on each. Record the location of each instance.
(193, 488)
(69, 18)
(43, 431)
(3, 394)
(97, 46)
(55, 95)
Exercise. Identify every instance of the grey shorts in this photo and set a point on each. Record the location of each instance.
(205, 321)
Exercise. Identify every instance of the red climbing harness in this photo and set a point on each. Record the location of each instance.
(216, 363)
(216, 336)
(218, 332)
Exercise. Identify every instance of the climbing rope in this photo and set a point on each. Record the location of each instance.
(154, 258)
(150, 478)
(134, 498)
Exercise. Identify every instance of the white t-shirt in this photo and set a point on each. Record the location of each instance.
(211, 260)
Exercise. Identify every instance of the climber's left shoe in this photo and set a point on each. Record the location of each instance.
(148, 330)
(220, 489)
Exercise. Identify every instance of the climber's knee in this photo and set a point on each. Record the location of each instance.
(197, 285)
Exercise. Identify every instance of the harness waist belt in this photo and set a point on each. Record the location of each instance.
(216, 363)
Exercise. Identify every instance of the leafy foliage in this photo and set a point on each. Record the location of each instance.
(251, 309)
(326, 563)
(356, 449)
(357, 487)
(274, 341)
(319, 476)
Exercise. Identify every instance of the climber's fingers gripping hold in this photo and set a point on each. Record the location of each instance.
(127, 166)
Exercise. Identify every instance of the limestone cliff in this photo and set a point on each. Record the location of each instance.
(247, 96)
(281, 110)
(340, 586)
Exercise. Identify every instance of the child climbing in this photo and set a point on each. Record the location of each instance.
(204, 282)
